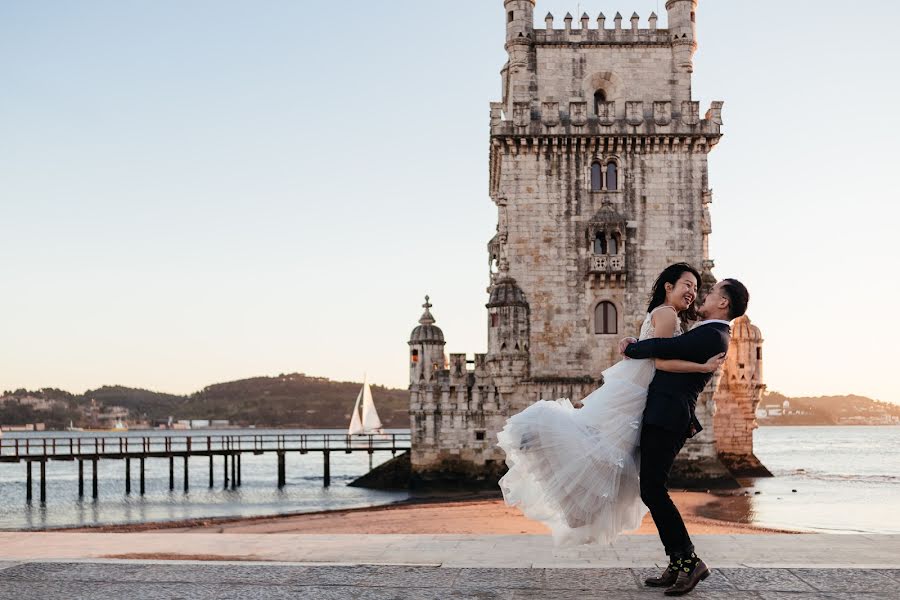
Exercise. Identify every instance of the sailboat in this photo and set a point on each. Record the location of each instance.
(366, 421)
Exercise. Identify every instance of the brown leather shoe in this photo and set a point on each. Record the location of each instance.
(667, 578)
(688, 581)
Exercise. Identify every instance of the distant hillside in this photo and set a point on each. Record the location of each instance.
(293, 400)
(288, 400)
(828, 410)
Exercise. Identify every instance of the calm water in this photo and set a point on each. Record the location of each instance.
(258, 494)
(847, 480)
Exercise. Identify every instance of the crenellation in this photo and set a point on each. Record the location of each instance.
(598, 168)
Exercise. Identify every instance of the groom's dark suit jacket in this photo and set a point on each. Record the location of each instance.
(672, 397)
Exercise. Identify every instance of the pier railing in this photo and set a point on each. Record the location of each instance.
(159, 445)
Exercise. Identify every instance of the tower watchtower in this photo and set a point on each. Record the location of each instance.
(598, 168)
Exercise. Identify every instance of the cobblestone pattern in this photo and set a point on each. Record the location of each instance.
(49, 580)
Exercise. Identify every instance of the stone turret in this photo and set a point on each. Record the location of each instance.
(740, 391)
(426, 348)
(519, 72)
(683, 34)
(508, 333)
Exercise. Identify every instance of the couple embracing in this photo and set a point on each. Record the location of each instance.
(590, 470)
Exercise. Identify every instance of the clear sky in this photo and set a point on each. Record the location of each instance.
(194, 192)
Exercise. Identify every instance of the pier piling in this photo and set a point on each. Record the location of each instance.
(43, 482)
(28, 481)
(230, 447)
(281, 470)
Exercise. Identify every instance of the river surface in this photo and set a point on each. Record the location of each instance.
(847, 479)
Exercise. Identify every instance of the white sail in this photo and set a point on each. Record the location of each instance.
(356, 426)
(370, 421)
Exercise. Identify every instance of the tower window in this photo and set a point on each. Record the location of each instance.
(495, 319)
(510, 16)
(479, 435)
(612, 176)
(596, 177)
(606, 318)
(600, 243)
(759, 354)
(414, 356)
(614, 243)
(599, 97)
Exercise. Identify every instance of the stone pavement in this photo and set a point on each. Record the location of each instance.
(198, 580)
(433, 567)
(458, 551)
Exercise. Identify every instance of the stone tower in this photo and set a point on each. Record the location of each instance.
(598, 170)
(740, 391)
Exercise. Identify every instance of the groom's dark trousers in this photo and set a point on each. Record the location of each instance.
(669, 420)
(658, 450)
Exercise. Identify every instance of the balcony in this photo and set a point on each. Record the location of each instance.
(607, 269)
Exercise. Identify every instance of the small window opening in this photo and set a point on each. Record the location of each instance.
(759, 354)
(606, 318)
(612, 177)
(510, 16)
(479, 435)
(495, 319)
(414, 356)
(596, 177)
(599, 98)
(600, 243)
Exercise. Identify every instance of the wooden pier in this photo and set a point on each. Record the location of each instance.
(230, 448)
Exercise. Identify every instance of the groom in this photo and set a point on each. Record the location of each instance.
(669, 420)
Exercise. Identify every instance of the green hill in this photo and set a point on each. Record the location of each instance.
(293, 400)
(827, 410)
(288, 400)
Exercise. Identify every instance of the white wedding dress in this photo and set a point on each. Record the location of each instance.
(576, 470)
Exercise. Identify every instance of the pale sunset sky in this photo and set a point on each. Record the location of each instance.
(202, 191)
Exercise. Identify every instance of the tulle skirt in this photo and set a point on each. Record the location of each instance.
(576, 470)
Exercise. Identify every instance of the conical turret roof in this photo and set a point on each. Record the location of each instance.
(426, 331)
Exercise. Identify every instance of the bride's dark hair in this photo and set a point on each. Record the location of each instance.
(672, 274)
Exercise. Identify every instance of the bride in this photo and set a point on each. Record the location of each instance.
(575, 467)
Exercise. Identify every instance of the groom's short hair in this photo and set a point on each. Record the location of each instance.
(738, 297)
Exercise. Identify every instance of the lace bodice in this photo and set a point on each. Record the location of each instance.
(647, 327)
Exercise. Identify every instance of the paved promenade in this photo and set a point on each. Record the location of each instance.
(199, 581)
(432, 567)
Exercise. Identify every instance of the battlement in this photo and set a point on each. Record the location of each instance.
(550, 117)
(601, 34)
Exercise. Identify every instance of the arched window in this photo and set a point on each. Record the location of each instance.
(414, 357)
(606, 318)
(614, 243)
(599, 96)
(612, 176)
(596, 177)
(600, 243)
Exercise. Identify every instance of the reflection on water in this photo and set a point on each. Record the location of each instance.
(832, 479)
(258, 494)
